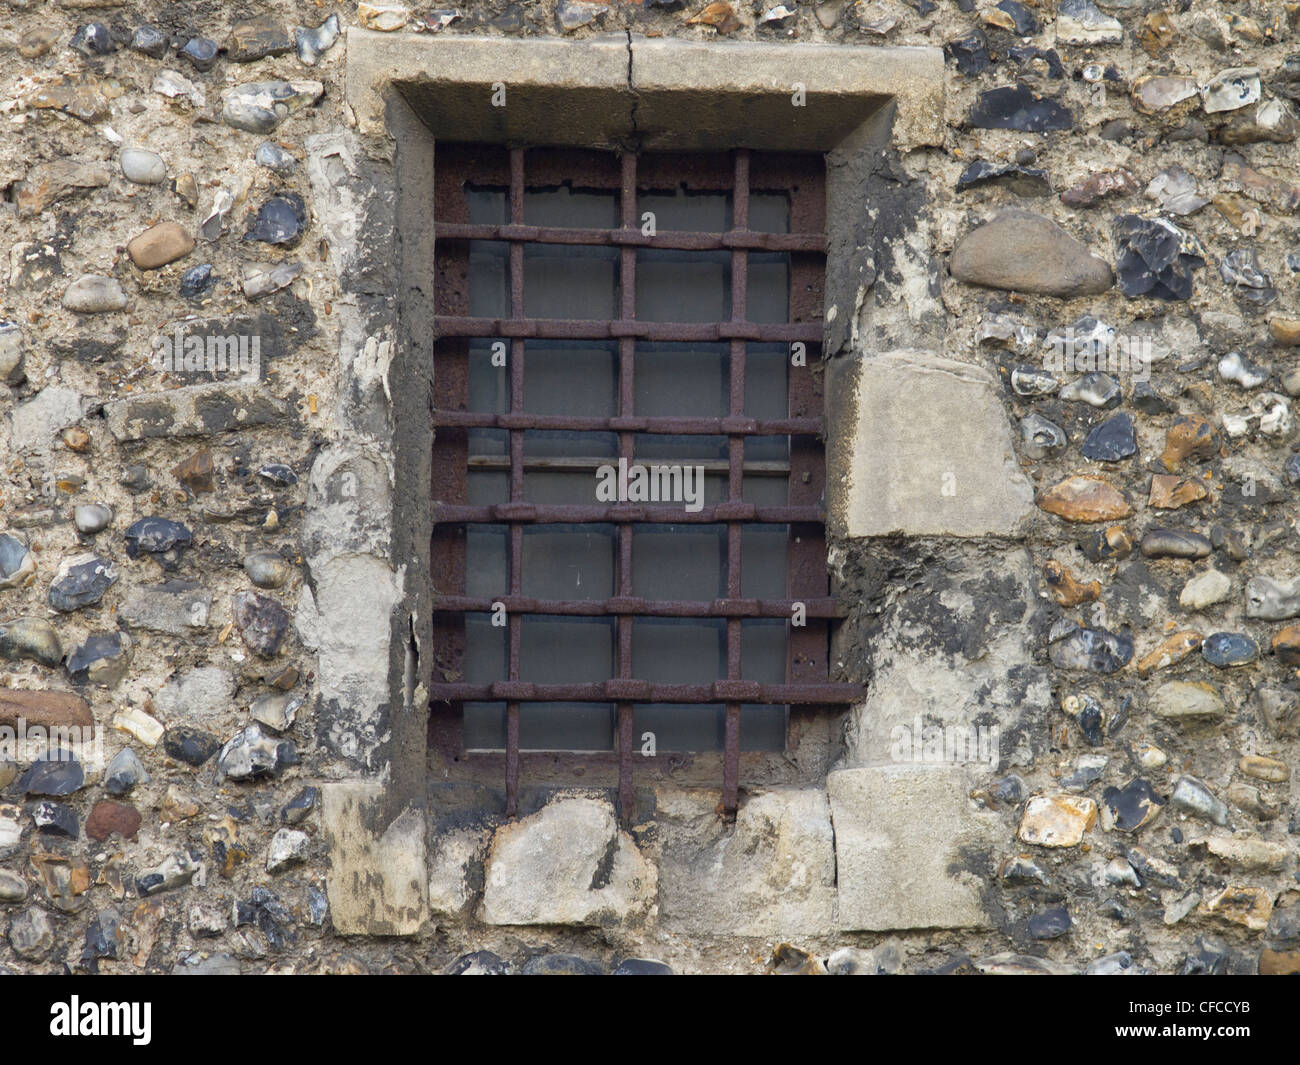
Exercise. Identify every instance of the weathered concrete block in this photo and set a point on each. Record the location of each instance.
(953, 659)
(771, 874)
(33, 425)
(567, 864)
(176, 608)
(194, 410)
(377, 876)
(920, 445)
(906, 837)
(455, 862)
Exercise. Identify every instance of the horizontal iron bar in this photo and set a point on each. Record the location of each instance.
(597, 329)
(583, 464)
(823, 607)
(632, 424)
(644, 692)
(676, 240)
(667, 513)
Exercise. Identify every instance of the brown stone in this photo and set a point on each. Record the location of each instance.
(159, 245)
(1279, 962)
(1066, 590)
(109, 817)
(65, 880)
(1169, 652)
(44, 708)
(1281, 197)
(1105, 183)
(1262, 768)
(79, 99)
(1285, 330)
(1057, 820)
(721, 16)
(37, 41)
(1169, 491)
(47, 183)
(1237, 211)
(1286, 645)
(195, 473)
(1193, 438)
(285, 679)
(1084, 499)
(1157, 33)
(187, 189)
(178, 806)
(75, 438)
(1250, 907)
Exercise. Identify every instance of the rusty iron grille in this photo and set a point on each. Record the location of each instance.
(512, 173)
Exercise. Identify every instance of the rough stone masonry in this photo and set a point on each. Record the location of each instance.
(1062, 326)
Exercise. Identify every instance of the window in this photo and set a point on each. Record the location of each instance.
(628, 476)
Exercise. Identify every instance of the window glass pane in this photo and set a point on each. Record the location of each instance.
(767, 294)
(489, 386)
(656, 446)
(683, 286)
(763, 728)
(702, 726)
(578, 378)
(551, 488)
(762, 650)
(488, 487)
(569, 281)
(679, 561)
(488, 441)
(485, 726)
(682, 380)
(682, 726)
(566, 443)
(487, 550)
(489, 271)
(486, 650)
(703, 212)
(565, 650)
(769, 212)
(487, 205)
(761, 489)
(563, 207)
(569, 561)
(566, 727)
(763, 561)
(767, 368)
(679, 650)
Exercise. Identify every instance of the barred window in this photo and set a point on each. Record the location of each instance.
(629, 554)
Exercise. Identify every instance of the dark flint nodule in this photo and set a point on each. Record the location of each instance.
(150, 41)
(1019, 107)
(1132, 805)
(59, 775)
(1112, 440)
(201, 52)
(1020, 180)
(156, 536)
(93, 39)
(189, 745)
(279, 221)
(1050, 924)
(971, 54)
(1155, 258)
(197, 281)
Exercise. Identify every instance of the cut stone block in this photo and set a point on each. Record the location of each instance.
(920, 445)
(906, 837)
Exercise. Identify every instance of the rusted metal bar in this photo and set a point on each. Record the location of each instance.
(625, 690)
(653, 513)
(631, 606)
(600, 329)
(630, 424)
(630, 236)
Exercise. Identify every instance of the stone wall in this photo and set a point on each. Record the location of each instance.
(1077, 563)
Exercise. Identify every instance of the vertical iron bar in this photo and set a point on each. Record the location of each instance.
(514, 622)
(626, 450)
(735, 480)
